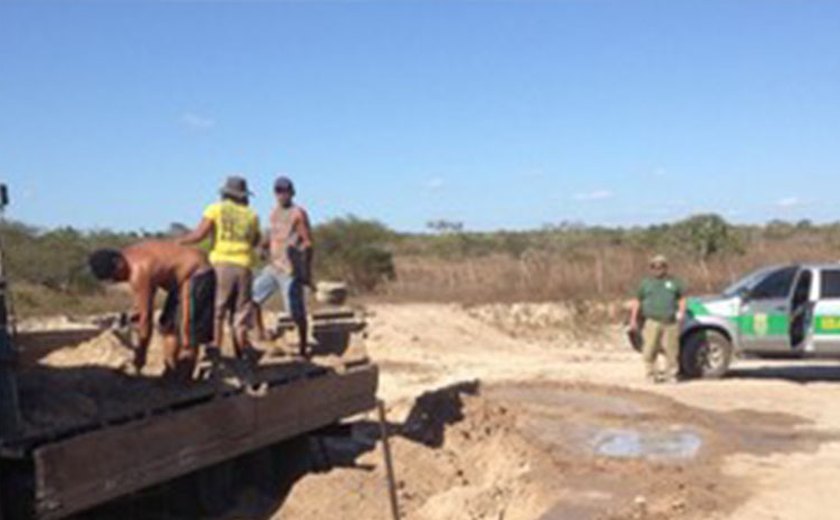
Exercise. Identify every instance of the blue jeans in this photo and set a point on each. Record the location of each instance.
(270, 280)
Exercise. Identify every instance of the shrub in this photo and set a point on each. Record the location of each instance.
(355, 251)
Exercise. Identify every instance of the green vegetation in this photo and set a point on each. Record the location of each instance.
(356, 251)
(567, 261)
(48, 269)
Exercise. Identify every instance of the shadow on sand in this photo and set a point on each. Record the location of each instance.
(796, 372)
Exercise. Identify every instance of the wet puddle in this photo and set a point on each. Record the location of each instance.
(596, 424)
(634, 444)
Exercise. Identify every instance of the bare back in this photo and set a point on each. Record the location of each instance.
(158, 264)
(161, 264)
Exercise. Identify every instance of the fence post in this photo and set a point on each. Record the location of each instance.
(9, 406)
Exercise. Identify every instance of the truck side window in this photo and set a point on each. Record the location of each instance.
(830, 283)
(776, 285)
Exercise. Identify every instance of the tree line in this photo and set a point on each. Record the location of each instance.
(367, 254)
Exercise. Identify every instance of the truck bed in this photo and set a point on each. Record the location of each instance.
(92, 433)
(75, 379)
(102, 464)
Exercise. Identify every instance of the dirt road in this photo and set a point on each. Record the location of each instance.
(564, 427)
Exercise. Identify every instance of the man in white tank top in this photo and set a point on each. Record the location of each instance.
(289, 244)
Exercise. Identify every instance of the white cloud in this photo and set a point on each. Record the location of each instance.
(435, 184)
(789, 202)
(197, 122)
(594, 195)
(660, 172)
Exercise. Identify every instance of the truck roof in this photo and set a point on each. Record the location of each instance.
(803, 265)
(824, 265)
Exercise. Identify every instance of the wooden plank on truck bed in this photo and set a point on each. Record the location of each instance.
(277, 415)
(147, 398)
(122, 457)
(81, 472)
(350, 319)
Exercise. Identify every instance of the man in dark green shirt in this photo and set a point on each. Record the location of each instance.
(661, 300)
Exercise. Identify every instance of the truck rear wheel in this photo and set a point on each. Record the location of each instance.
(705, 354)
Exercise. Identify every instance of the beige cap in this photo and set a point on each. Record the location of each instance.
(659, 260)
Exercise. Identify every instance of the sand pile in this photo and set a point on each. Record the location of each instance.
(105, 351)
(458, 456)
(548, 322)
(56, 323)
(89, 382)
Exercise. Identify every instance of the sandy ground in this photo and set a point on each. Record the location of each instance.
(770, 432)
(516, 412)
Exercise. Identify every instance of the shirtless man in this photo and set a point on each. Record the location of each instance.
(187, 318)
(289, 243)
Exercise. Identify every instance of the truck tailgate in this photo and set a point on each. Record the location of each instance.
(83, 471)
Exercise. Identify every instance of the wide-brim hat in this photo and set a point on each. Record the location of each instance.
(236, 187)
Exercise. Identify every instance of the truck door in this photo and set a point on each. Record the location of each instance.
(826, 329)
(802, 311)
(764, 320)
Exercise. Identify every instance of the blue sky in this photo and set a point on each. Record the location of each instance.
(500, 114)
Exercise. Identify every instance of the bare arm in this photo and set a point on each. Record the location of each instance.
(142, 315)
(681, 309)
(635, 305)
(304, 230)
(204, 229)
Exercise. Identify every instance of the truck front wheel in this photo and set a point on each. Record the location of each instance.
(705, 354)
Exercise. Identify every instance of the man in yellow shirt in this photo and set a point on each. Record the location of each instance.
(235, 229)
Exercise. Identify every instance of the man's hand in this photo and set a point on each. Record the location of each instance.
(309, 282)
(633, 324)
(682, 311)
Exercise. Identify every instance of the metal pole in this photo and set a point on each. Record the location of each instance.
(9, 406)
(389, 464)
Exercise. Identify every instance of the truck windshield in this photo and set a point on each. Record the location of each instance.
(748, 282)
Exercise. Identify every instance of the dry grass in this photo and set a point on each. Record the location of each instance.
(598, 273)
(578, 275)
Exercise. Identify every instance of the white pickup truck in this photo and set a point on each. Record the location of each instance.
(781, 311)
